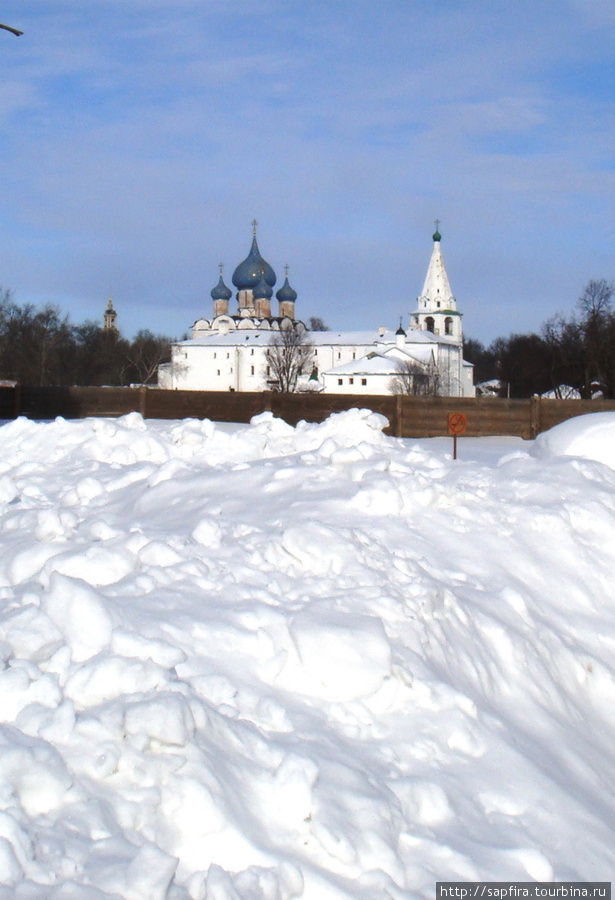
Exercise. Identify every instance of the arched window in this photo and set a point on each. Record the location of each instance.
(448, 325)
(430, 325)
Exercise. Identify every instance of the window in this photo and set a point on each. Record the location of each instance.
(251, 370)
(364, 381)
(215, 355)
(228, 355)
(268, 370)
(354, 355)
(351, 381)
(340, 381)
(315, 352)
(252, 352)
(430, 325)
(448, 325)
(339, 355)
(218, 371)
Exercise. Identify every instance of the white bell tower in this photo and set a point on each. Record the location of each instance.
(436, 306)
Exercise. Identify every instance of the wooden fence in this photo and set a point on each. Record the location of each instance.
(407, 416)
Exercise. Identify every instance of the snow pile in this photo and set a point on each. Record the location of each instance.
(589, 437)
(259, 662)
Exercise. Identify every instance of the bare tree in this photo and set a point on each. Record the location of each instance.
(145, 354)
(595, 301)
(318, 324)
(289, 355)
(416, 380)
(36, 345)
(583, 347)
(12, 30)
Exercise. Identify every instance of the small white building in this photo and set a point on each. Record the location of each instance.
(228, 351)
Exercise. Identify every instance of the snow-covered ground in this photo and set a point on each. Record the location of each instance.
(257, 662)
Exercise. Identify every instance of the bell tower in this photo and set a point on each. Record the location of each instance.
(110, 317)
(436, 306)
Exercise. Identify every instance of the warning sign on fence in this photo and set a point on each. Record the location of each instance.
(457, 423)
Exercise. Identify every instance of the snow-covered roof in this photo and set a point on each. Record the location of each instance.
(381, 364)
(417, 353)
(386, 339)
(235, 338)
(372, 364)
(262, 337)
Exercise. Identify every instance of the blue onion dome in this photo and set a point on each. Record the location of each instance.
(248, 273)
(286, 294)
(262, 291)
(221, 292)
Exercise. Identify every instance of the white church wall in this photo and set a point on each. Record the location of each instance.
(218, 367)
(356, 384)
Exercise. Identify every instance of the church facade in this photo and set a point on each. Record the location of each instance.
(228, 351)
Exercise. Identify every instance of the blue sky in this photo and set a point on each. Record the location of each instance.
(138, 140)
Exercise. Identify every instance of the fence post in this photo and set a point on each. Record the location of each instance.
(399, 414)
(534, 416)
(17, 401)
(143, 401)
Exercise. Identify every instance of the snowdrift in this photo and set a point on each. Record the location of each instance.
(262, 662)
(588, 437)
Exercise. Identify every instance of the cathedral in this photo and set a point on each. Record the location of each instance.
(254, 279)
(228, 351)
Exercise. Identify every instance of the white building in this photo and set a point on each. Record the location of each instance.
(228, 351)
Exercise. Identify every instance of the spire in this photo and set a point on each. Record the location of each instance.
(436, 309)
(437, 290)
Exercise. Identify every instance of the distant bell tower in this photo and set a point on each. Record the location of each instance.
(436, 306)
(110, 317)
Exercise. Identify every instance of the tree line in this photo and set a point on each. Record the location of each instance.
(575, 352)
(40, 346)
